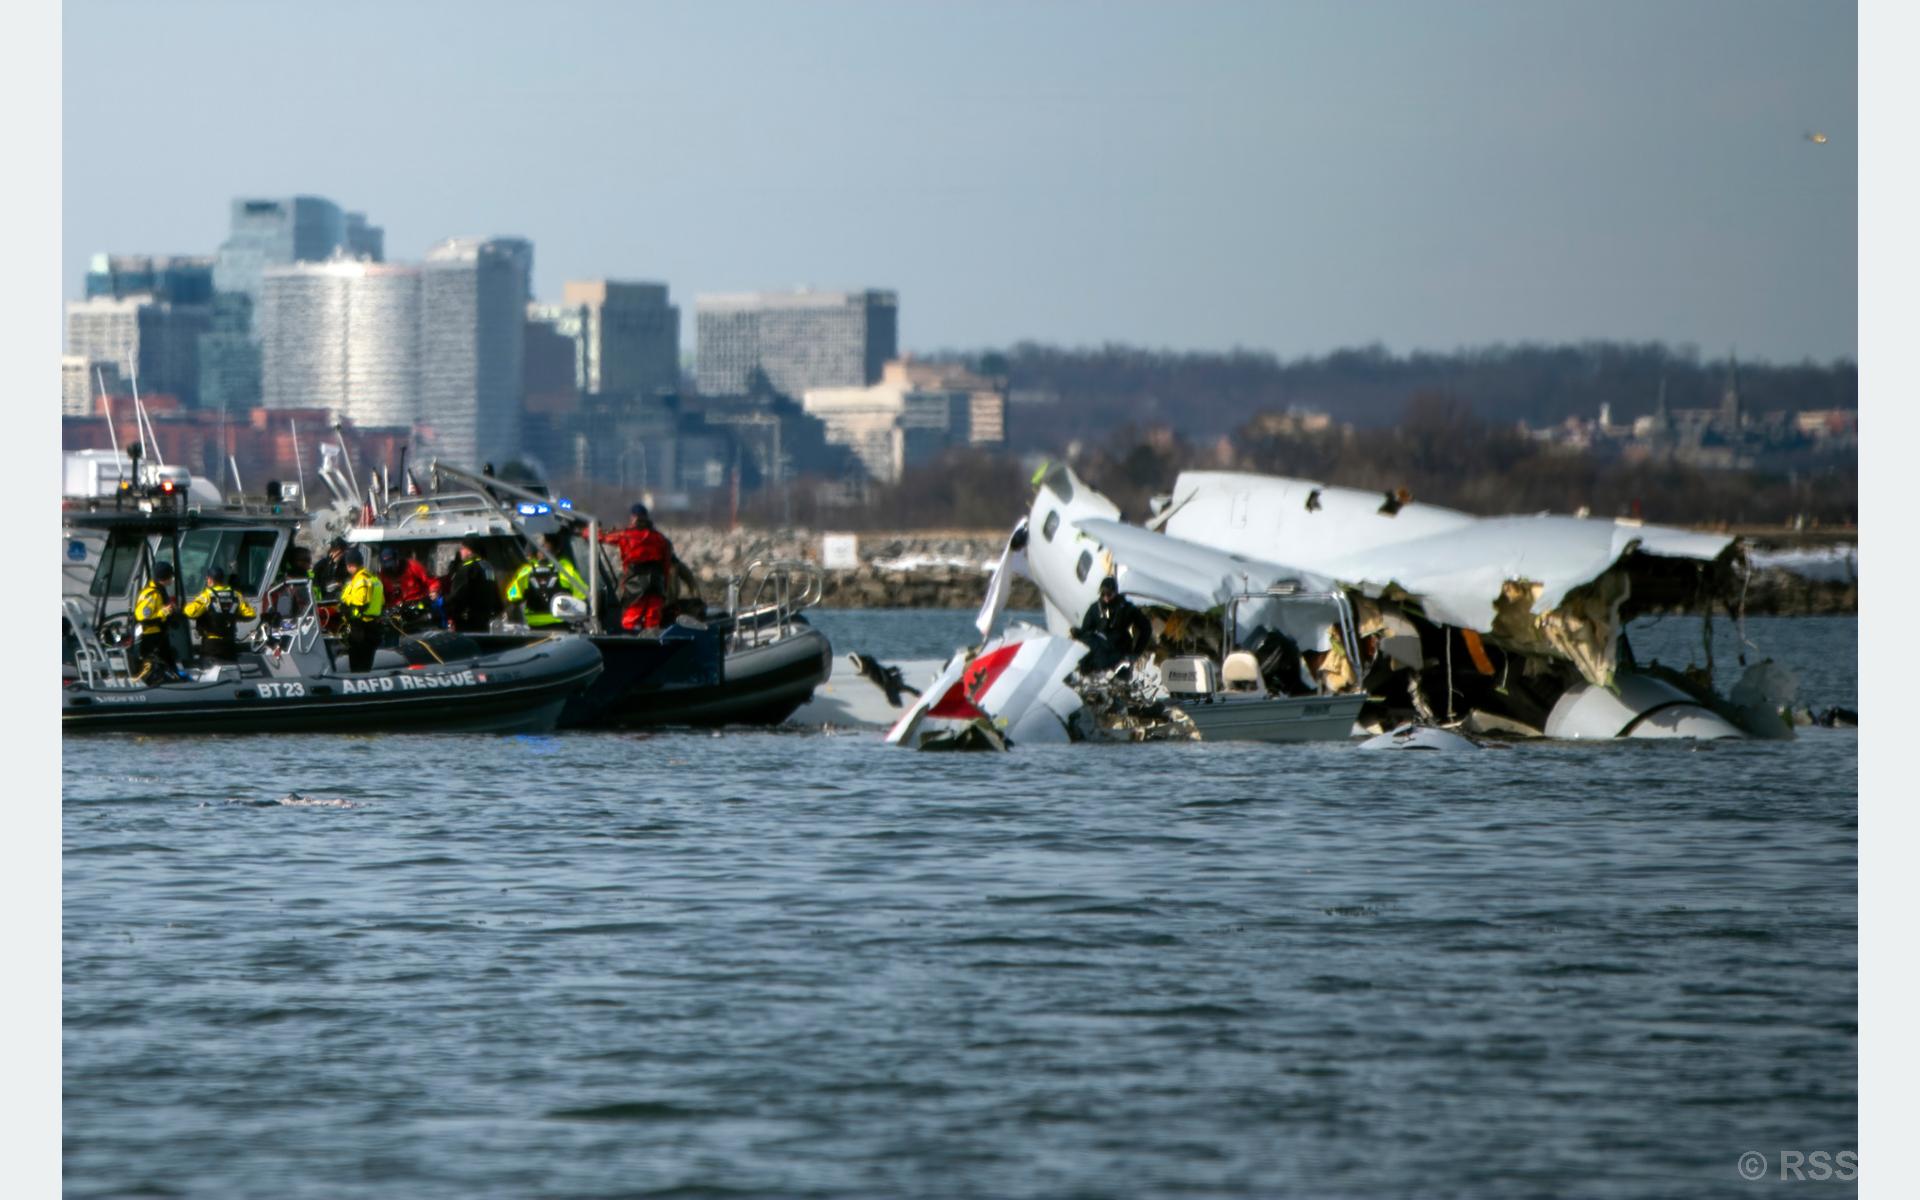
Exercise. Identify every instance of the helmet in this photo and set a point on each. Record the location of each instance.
(163, 571)
(638, 510)
(389, 557)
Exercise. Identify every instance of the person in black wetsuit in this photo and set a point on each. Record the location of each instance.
(1114, 630)
(331, 573)
(472, 598)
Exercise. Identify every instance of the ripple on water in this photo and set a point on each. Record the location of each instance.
(792, 965)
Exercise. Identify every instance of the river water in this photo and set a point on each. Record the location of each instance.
(795, 964)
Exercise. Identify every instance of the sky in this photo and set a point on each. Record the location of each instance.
(1290, 177)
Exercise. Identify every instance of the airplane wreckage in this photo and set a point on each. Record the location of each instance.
(1285, 610)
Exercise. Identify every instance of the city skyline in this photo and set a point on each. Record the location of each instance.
(1286, 179)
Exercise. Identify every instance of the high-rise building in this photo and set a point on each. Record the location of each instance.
(629, 337)
(273, 232)
(798, 340)
(276, 232)
(175, 278)
(365, 242)
(230, 355)
(155, 341)
(80, 382)
(344, 336)
(986, 418)
(473, 314)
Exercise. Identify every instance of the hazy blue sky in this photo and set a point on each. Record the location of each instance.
(1286, 176)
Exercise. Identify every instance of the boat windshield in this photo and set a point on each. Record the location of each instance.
(118, 558)
(245, 555)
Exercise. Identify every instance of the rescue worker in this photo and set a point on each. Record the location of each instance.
(409, 589)
(153, 609)
(298, 564)
(538, 581)
(295, 569)
(330, 573)
(1114, 630)
(361, 602)
(647, 566)
(217, 611)
(472, 598)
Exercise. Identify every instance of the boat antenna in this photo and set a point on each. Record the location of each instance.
(235, 467)
(140, 415)
(299, 467)
(113, 439)
(352, 478)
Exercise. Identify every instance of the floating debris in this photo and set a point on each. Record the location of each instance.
(290, 800)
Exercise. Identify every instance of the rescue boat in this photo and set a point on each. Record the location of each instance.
(752, 660)
(294, 679)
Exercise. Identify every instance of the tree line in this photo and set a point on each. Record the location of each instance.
(1060, 394)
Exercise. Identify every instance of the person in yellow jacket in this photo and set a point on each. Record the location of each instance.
(153, 608)
(361, 602)
(218, 611)
(536, 584)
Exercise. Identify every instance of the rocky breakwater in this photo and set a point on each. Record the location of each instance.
(939, 569)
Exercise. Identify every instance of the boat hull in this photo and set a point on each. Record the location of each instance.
(1224, 718)
(520, 691)
(756, 685)
(691, 677)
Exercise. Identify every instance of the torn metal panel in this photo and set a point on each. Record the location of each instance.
(1155, 569)
(1540, 584)
(1014, 687)
(1013, 561)
(1637, 706)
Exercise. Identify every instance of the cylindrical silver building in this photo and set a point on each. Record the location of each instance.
(343, 336)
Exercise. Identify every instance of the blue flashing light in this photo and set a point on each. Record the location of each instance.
(564, 504)
(527, 508)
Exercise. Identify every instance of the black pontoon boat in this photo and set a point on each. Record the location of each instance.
(753, 663)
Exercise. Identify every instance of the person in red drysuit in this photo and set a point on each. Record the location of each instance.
(409, 589)
(647, 564)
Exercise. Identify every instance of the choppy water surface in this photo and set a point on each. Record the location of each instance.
(782, 964)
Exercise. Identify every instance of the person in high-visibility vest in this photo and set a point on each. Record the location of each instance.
(218, 611)
(537, 582)
(153, 608)
(361, 602)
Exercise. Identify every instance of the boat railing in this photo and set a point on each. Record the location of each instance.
(288, 610)
(404, 510)
(764, 599)
(100, 666)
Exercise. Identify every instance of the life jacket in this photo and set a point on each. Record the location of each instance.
(363, 597)
(543, 584)
(222, 613)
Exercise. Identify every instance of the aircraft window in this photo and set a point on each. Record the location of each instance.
(1052, 525)
(1085, 564)
(1057, 482)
